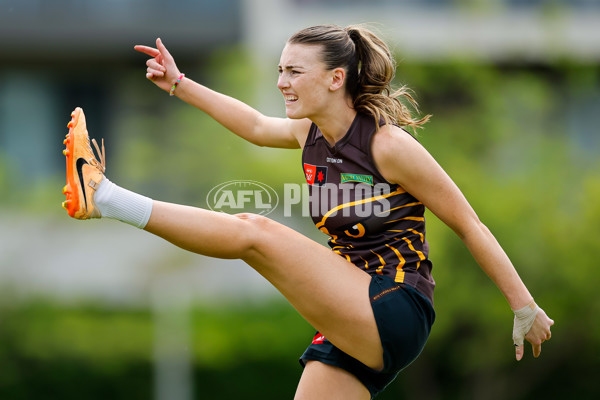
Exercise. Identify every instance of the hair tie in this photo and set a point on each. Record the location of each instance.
(354, 36)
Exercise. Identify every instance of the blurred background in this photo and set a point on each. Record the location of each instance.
(98, 309)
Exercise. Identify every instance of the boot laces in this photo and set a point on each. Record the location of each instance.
(101, 165)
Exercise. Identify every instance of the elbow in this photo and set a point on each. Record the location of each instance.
(471, 227)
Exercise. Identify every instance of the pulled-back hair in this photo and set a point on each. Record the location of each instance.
(369, 67)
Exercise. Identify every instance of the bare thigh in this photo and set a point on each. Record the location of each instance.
(322, 381)
(329, 292)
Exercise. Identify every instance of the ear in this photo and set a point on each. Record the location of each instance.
(338, 78)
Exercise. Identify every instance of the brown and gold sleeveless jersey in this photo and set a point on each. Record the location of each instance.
(374, 224)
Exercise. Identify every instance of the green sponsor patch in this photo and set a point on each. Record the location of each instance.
(368, 179)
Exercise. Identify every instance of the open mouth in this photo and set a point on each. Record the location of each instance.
(290, 98)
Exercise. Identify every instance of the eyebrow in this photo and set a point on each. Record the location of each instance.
(291, 67)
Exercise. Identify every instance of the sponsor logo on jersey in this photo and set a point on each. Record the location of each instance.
(368, 179)
(315, 174)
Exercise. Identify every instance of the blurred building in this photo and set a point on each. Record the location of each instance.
(60, 53)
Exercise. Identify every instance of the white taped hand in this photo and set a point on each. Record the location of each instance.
(524, 319)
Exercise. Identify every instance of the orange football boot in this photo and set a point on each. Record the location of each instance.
(84, 171)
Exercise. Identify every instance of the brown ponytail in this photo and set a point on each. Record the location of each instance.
(369, 67)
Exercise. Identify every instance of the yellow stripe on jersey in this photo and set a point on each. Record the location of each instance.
(354, 203)
(337, 250)
(409, 230)
(341, 254)
(406, 219)
(418, 203)
(333, 237)
(366, 262)
(420, 235)
(399, 271)
(381, 261)
(419, 253)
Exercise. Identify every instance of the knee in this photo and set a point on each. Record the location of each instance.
(256, 229)
(256, 220)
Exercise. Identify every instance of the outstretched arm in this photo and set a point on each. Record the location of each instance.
(233, 114)
(402, 160)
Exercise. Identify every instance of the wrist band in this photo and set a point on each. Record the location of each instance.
(524, 318)
(172, 92)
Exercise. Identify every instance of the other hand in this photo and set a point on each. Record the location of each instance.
(537, 334)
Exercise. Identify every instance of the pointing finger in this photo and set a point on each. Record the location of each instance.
(151, 51)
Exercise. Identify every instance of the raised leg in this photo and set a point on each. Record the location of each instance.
(328, 291)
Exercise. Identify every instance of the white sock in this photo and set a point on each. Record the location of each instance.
(121, 204)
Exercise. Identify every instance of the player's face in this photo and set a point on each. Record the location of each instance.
(303, 80)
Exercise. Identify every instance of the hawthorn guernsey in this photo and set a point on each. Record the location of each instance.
(376, 225)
